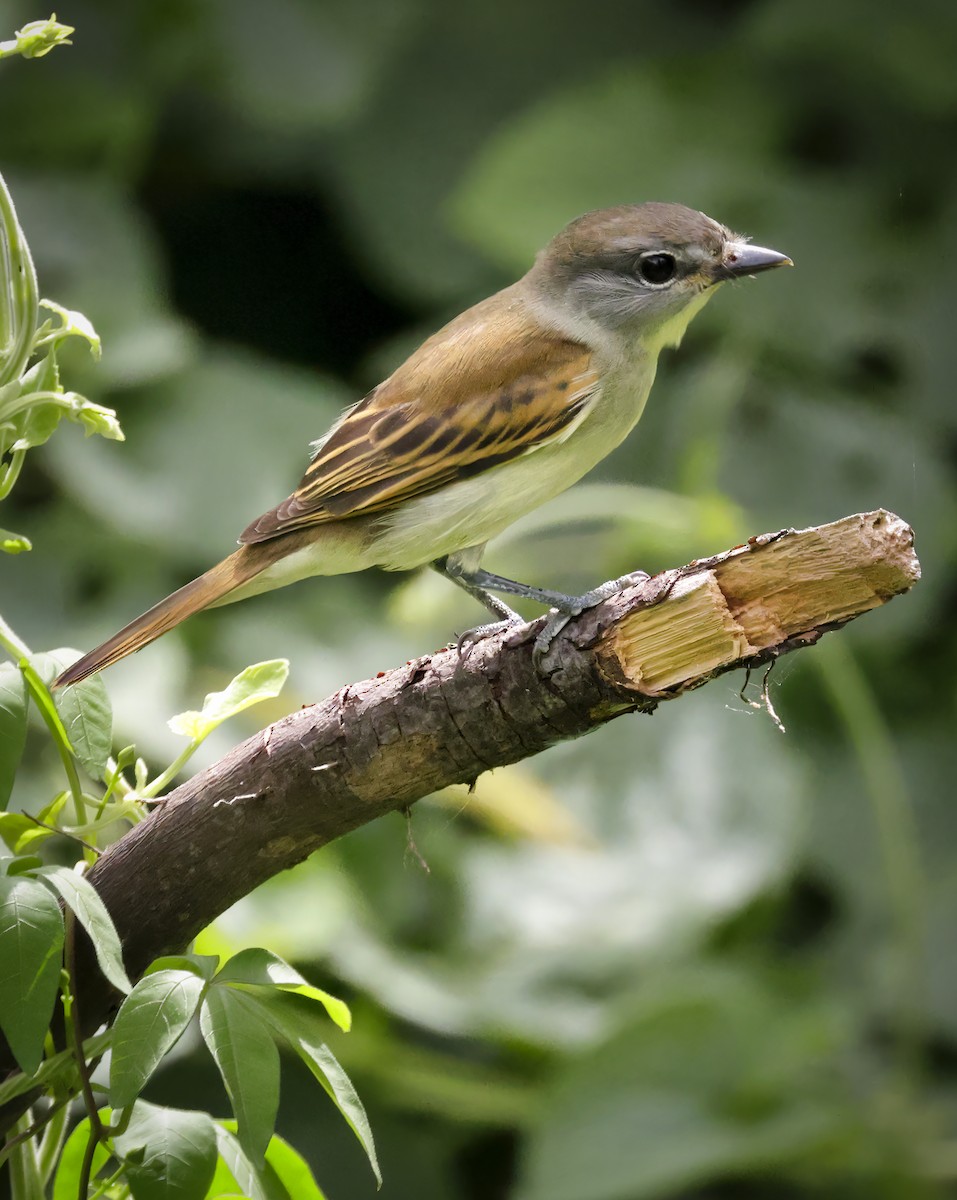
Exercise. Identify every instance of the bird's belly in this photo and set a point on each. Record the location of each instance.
(473, 511)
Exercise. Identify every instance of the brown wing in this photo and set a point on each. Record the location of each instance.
(487, 388)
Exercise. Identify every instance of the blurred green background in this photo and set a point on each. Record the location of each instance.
(688, 956)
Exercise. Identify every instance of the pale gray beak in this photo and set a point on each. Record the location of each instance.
(741, 258)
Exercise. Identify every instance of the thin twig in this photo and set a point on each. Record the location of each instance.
(63, 833)
(86, 1087)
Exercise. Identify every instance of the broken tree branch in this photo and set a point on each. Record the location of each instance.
(380, 745)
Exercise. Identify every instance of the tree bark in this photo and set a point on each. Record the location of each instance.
(381, 744)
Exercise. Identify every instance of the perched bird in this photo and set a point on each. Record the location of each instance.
(502, 409)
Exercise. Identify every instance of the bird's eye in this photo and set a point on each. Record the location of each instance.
(656, 269)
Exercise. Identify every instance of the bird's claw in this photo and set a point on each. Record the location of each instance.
(472, 637)
(558, 618)
(550, 630)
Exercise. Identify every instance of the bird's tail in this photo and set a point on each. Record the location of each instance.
(208, 589)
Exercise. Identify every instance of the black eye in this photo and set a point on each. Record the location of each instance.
(656, 268)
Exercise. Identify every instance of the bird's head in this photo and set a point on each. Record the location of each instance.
(641, 270)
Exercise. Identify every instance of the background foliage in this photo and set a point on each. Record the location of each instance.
(686, 957)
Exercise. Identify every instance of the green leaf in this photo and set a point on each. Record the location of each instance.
(178, 1152)
(248, 1062)
(202, 965)
(58, 1071)
(328, 1071)
(292, 1171)
(88, 719)
(40, 671)
(84, 709)
(50, 812)
(301, 1026)
(236, 1175)
(67, 1177)
(74, 324)
(31, 943)
(151, 1020)
(13, 726)
(37, 424)
(224, 1182)
(286, 1175)
(23, 864)
(262, 681)
(14, 543)
(92, 914)
(256, 967)
(20, 833)
(43, 376)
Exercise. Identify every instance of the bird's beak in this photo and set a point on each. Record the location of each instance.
(741, 258)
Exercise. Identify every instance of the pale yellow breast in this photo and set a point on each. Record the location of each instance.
(474, 511)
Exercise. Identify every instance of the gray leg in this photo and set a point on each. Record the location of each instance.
(463, 569)
(572, 605)
(459, 568)
(468, 583)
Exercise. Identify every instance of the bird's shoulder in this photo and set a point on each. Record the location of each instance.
(495, 345)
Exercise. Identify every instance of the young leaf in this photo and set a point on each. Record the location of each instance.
(178, 1152)
(13, 726)
(94, 418)
(14, 543)
(256, 967)
(91, 912)
(73, 324)
(71, 1159)
(262, 681)
(20, 833)
(248, 1061)
(38, 38)
(84, 709)
(151, 1020)
(31, 943)
(50, 812)
(301, 1026)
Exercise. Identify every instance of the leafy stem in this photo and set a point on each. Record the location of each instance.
(19, 297)
(74, 1035)
(166, 777)
(13, 645)
(44, 703)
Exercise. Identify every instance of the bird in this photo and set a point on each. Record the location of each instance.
(503, 408)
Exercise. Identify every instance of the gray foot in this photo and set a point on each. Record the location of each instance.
(472, 637)
(560, 616)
